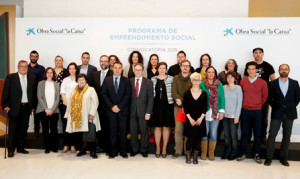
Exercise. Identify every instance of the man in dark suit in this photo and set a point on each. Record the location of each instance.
(141, 106)
(19, 100)
(86, 68)
(284, 97)
(116, 93)
(97, 81)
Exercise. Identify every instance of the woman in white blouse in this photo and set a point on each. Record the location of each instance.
(82, 108)
(68, 84)
(47, 109)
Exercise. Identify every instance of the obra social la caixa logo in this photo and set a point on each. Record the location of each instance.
(30, 31)
(228, 32)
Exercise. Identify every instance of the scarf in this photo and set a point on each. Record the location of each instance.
(213, 96)
(76, 107)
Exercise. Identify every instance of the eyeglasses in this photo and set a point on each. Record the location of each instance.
(34, 55)
(185, 66)
(23, 66)
(103, 61)
(196, 80)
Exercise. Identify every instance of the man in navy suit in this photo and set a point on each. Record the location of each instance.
(18, 101)
(284, 97)
(116, 93)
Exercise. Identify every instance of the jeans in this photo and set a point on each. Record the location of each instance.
(212, 129)
(231, 137)
(248, 116)
(287, 125)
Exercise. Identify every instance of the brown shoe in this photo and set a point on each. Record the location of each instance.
(203, 150)
(73, 149)
(65, 150)
(175, 155)
(211, 149)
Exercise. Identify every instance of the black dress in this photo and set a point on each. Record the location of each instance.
(195, 108)
(163, 112)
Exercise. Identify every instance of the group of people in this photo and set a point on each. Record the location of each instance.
(120, 100)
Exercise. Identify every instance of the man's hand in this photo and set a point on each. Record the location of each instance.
(178, 102)
(236, 120)
(115, 109)
(147, 117)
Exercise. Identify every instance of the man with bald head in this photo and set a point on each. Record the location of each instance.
(284, 97)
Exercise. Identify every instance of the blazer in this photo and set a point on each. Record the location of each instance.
(91, 70)
(281, 104)
(144, 102)
(97, 86)
(126, 70)
(12, 93)
(42, 103)
(121, 99)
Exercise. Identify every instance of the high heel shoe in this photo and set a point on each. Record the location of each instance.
(157, 155)
(164, 155)
(73, 149)
(65, 150)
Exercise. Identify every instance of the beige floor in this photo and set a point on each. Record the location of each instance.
(63, 166)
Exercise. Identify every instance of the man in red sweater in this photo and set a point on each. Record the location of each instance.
(255, 94)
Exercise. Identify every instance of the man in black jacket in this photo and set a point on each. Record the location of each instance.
(284, 96)
(86, 68)
(19, 100)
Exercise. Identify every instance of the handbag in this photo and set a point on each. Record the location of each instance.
(180, 115)
(90, 136)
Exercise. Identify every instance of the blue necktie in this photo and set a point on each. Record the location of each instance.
(102, 77)
(24, 90)
(116, 85)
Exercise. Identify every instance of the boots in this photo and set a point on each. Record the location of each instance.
(195, 156)
(203, 150)
(211, 150)
(188, 157)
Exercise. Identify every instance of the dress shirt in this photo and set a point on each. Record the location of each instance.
(21, 76)
(84, 70)
(49, 94)
(118, 80)
(284, 86)
(67, 86)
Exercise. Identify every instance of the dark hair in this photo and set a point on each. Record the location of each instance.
(181, 51)
(250, 64)
(235, 65)
(34, 52)
(104, 56)
(258, 48)
(140, 57)
(206, 54)
(163, 63)
(81, 75)
(138, 64)
(87, 53)
(284, 64)
(74, 64)
(233, 74)
(45, 74)
(212, 68)
(117, 59)
(118, 63)
(149, 63)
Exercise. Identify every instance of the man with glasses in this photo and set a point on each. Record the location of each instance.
(181, 83)
(38, 71)
(18, 100)
(97, 82)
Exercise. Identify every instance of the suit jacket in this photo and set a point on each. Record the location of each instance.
(42, 103)
(144, 102)
(12, 93)
(97, 86)
(91, 70)
(121, 99)
(281, 104)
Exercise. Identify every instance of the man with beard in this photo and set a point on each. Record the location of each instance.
(38, 71)
(284, 97)
(86, 68)
(175, 69)
(97, 81)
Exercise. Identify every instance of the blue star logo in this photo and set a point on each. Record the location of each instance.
(30, 31)
(228, 31)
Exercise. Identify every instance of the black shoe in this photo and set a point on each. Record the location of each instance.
(93, 155)
(99, 150)
(132, 154)
(81, 153)
(36, 134)
(23, 151)
(164, 155)
(124, 154)
(157, 155)
(112, 155)
(144, 154)
(10, 154)
(47, 151)
(284, 162)
(231, 158)
(225, 157)
(268, 162)
(54, 150)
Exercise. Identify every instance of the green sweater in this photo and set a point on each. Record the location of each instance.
(221, 97)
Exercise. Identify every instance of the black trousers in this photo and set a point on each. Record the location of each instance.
(103, 134)
(36, 121)
(264, 124)
(17, 129)
(118, 128)
(287, 125)
(138, 125)
(49, 122)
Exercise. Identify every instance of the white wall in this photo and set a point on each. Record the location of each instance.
(136, 8)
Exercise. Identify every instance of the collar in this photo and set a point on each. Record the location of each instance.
(284, 82)
(87, 66)
(22, 75)
(252, 80)
(140, 78)
(104, 70)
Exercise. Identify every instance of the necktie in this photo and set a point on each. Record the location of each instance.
(24, 89)
(137, 87)
(116, 85)
(102, 77)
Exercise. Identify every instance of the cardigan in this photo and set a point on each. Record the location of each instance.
(168, 83)
(42, 103)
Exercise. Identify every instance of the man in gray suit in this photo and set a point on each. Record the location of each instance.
(141, 106)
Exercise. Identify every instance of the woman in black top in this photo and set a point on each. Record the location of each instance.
(230, 65)
(152, 66)
(194, 105)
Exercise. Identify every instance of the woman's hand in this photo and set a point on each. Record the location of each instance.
(192, 121)
(91, 117)
(221, 115)
(48, 112)
(199, 121)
